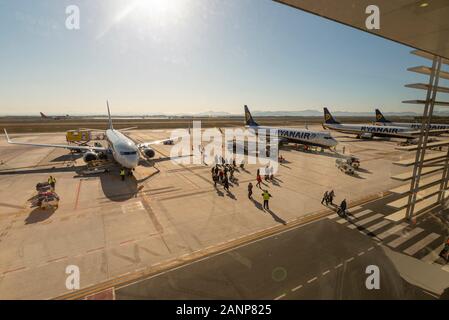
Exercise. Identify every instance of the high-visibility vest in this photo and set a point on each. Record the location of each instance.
(266, 196)
(122, 172)
(51, 180)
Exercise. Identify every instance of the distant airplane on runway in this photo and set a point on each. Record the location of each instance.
(124, 150)
(380, 119)
(370, 131)
(43, 116)
(301, 136)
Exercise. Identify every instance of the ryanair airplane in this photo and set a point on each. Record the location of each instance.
(301, 136)
(380, 119)
(367, 131)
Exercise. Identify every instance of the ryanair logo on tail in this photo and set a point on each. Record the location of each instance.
(379, 117)
(249, 121)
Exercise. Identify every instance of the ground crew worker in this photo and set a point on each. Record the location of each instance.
(122, 174)
(250, 190)
(52, 182)
(266, 196)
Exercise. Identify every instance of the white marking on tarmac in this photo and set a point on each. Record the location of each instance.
(370, 248)
(297, 288)
(361, 253)
(405, 237)
(280, 297)
(433, 255)
(377, 226)
(393, 230)
(361, 214)
(326, 272)
(421, 244)
(350, 259)
(338, 266)
(311, 280)
(365, 221)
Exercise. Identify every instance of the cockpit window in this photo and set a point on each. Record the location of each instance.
(127, 153)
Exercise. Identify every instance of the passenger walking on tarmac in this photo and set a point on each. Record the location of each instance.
(259, 181)
(216, 170)
(250, 190)
(231, 174)
(221, 175)
(233, 163)
(271, 173)
(342, 209)
(325, 198)
(215, 179)
(52, 182)
(266, 173)
(331, 197)
(122, 174)
(226, 185)
(266, 197)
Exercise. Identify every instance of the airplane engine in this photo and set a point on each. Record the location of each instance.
(149, 153)
(366, 135)
(90, 156)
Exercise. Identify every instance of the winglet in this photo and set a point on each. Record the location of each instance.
(109, 116)
(7, 136)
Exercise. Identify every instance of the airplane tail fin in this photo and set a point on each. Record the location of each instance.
(328, 118)
(380, 117)
(109, 116)
(249, 121)
(43, 115)
(7, 136)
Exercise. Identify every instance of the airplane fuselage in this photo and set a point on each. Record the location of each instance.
(123, 149)
(379, 131)
(415, 126)
(307, 137)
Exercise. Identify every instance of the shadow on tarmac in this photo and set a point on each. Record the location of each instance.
(276, 217)
(117, 190)
(38, 215)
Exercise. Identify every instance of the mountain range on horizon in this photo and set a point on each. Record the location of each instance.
(258, 113)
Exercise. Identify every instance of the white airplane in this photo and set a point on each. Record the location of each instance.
(301, 136)
(364, 131)
(43, 116)
(124, 150)
(380, 119)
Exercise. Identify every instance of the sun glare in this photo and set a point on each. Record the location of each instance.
(164, 11)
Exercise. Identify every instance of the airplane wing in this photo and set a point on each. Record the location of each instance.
(65, 146)
(146, 144)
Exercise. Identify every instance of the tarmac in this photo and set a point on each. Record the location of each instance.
(166, 212)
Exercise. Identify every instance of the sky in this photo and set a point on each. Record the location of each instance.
(190, 56)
